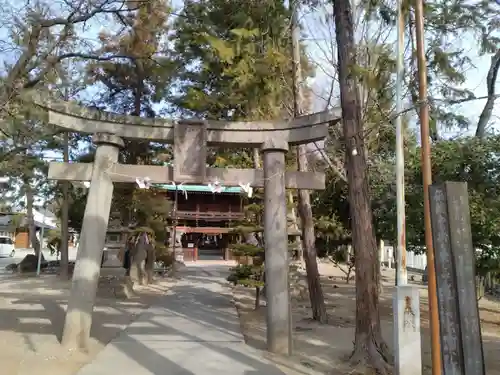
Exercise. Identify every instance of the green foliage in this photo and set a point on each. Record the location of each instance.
(135, 79)
(247, 275)
(140, 75)
(239, 59)
(54, 240)
(330, 227)
(246, 229)
(465, 159)
(446, 24)
(76, 207)
(245, 249)
(139, 230)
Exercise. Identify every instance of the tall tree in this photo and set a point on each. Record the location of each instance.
(233, 59)
(448, 24)
(305, 211)
(29, 167)
(369, 346)
(135, 81)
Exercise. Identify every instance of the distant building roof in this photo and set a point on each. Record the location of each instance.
(199, 188)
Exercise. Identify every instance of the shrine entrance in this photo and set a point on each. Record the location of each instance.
(191, 140)
(211, 247)
(205, 243)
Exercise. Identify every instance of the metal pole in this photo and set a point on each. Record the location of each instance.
(427, 181)
(39, 263)
(407, 343)
(401, 274)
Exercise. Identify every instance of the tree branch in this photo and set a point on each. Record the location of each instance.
(491, 78)
(19, 70)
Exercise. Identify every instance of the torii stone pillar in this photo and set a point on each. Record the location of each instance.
(95, 223)
(279, 324)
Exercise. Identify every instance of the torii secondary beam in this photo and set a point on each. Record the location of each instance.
(164, 175)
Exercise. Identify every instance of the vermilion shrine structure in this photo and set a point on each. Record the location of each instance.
(190, 139)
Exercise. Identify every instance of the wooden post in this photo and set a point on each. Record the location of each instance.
(460, 329)
(88, 263)
(279, 332)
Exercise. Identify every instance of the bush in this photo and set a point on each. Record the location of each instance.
(165, 259)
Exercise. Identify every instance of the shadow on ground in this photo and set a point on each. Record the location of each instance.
(325, 348)
(32, 313)
(194, 330)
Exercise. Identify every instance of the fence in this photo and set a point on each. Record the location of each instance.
(414, 261)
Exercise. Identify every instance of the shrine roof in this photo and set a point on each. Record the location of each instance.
(200, 188)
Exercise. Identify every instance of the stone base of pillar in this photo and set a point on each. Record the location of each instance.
(178, 254)
(407, 349)
(120, 287)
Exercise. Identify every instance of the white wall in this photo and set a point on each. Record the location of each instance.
(412, 260)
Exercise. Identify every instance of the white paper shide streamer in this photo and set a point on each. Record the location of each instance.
(181, 188)
(216, 187)
(143, 183)
(247, 189)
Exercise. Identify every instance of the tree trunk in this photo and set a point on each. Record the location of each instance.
(251, 238)
(490, 84)
(298, 239)
(63, 269)
(369, 346)
(30, 218)
(308, 238)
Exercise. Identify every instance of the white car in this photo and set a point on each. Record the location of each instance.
(6, 247)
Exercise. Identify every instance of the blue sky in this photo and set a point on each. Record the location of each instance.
(320, 49)
(318, 41)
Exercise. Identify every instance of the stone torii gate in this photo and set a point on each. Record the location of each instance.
(190, 139)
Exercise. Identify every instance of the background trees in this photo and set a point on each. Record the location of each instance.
(231, 59)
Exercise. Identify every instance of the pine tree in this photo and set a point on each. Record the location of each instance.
(250, 270)
(135, 81)
(234, 59)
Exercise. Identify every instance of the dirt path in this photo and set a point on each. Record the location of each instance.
(325, 348)
(32, 316)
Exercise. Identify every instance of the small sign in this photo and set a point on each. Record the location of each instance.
(190, 245)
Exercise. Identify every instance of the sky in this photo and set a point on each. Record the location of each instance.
(320, 50)
(318, 37)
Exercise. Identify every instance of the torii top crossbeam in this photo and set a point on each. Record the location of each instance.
(75, 118)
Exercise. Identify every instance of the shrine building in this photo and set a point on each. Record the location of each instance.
(205, 219)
